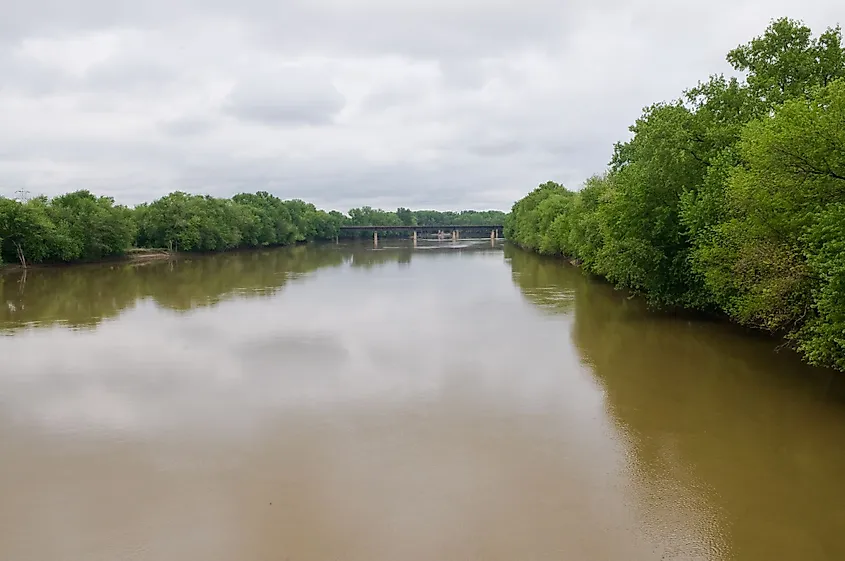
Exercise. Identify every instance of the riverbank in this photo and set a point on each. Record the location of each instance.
(134, 255)
(689, 314)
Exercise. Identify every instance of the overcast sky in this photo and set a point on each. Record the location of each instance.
(446, 104)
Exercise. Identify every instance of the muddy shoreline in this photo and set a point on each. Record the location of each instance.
(131, 257)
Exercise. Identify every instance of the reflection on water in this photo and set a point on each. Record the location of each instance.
(717, 419)
(341, 402)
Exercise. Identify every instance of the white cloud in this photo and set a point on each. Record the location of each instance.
(444, 104)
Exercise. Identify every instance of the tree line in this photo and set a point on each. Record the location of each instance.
(81, 226)
(729, 199)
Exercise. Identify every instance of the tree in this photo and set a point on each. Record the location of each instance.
(523, 225)
(406, 216)
(94, 226)
(730, 198)
(26, 232)
(775, 262)
(787, 62)
(645, 246)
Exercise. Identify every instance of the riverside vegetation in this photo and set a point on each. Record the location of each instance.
(83, 227)
(730, 199)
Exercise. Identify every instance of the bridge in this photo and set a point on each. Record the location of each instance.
(454, 230)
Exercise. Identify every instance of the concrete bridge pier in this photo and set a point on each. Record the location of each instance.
(414, 236)
(375, 239)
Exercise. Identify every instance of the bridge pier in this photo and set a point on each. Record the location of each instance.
(375, 239)
(414, 236)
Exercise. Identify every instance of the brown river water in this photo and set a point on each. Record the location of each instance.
(456, 403)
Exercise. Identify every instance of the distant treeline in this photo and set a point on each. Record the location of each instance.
(730, 199)
(366, 216)
(83, 227)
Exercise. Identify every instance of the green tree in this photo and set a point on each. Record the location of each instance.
(527, 217)
(787, 62)
(773, 262)
(645, 247)
(95, 226)
(406, 216)
(729, 198)
(26, 233)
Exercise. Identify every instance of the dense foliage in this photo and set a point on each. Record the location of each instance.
(729, 199)
(67, 228)
(80, 226)
(200, 223)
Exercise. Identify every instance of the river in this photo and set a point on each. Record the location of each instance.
(456, 403)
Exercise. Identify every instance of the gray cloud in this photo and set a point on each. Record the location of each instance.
(122, 76)
(291, 97)
(346, 102)
(497, 148)
(28, 77)
(363, 26)
(187, 125)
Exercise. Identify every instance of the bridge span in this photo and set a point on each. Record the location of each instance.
(454, 230)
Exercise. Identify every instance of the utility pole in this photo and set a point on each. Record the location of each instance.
(23, 195)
